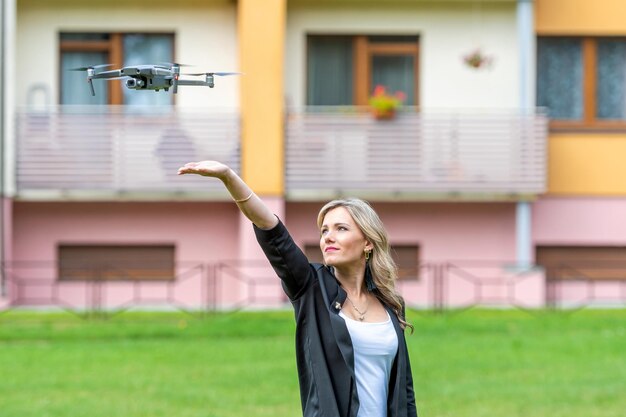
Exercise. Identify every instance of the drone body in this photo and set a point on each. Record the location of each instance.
(150, 77)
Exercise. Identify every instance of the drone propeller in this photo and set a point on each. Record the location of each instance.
(91, 71)
(172, 65)
(92, 67)
(221, 74)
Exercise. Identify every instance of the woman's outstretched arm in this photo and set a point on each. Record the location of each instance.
(249, 203)
(287, 259)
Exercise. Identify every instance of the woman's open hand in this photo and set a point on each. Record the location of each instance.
(250, 205)
(206, 168)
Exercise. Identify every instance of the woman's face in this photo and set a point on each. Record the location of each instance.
(342, 242)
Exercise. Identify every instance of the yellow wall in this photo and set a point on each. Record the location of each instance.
(586, 164)
(261, 26)
(580, 17)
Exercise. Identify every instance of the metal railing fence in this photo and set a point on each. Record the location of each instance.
(473, 154)
(92, 150)
(237, 284)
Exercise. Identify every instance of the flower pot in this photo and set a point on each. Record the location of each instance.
(384, 114)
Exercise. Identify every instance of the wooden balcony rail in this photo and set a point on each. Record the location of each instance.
(92, 151)
(432, 155)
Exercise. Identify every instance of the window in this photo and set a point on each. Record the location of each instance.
(343, 70)
(112, 262)
(583, 262)
(406, 258)
(582, 81)
(86, 49)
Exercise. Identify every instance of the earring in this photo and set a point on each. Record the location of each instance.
(369, 279)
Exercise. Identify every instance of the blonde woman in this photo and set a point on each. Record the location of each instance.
(351, 352)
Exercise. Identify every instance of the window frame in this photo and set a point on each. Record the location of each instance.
(582, 262)
(114, 47)
(363, 51)
(415, 247)
(589, 52)
(93, 271)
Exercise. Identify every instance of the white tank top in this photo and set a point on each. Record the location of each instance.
(375, 346)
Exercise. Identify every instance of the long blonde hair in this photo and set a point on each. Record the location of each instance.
(382, 265)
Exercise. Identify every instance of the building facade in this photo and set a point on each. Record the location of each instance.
(499, 182)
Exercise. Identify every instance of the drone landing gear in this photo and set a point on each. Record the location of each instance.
(93, 91)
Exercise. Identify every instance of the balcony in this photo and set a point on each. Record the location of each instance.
(431, 155)
(118, 152)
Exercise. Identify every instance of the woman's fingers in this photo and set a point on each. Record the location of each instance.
(206, 168)
(188, 168)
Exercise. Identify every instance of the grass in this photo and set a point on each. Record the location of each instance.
(478, 363)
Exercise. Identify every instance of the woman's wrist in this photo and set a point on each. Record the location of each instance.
(227, 176)
(243, 200)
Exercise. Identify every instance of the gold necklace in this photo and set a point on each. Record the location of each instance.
(361, 313)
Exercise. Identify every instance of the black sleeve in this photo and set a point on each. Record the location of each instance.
(410, 393)
(288, 261)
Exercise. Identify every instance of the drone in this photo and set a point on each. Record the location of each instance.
(149, 77)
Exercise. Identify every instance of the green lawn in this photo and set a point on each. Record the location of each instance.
(478, 363)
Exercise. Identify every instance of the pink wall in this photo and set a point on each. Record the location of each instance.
(201, 231)
(579, 221)
(443, 231)
(480, 233)
(582, 221)
(478, 237)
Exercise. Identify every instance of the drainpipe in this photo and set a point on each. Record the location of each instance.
(523, 234)
(3, 37)
(526, 42)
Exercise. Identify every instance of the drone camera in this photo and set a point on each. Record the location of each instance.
(134, 83)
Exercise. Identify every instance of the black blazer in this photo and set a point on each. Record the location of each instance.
(324, 353)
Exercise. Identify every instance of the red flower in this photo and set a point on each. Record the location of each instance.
(382, 101)
(379, 90)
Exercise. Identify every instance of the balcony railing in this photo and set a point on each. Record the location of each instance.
(113, 151)
(432, 155)
(116, 152)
